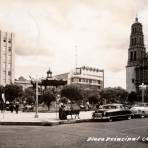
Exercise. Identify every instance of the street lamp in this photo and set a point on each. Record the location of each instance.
(35, 82)
(36, 100)
(143, 88)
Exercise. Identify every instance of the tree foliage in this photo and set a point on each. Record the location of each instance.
(12, 92)
(72, 92)
(29, 95)
(93, 99)
(132, 97)
(116, 94)
(47, 98)
(64, 100)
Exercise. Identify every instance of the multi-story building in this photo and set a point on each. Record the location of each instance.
(24, 83)
(137, 66)
(7, 55)
(86, 77)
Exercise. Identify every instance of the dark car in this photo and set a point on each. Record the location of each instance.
(111, 112)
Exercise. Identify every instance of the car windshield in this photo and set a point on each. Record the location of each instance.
(140, 104)
(109, 107)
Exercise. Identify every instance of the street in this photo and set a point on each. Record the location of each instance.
(75, 135)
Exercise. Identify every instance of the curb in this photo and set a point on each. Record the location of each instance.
(45, 123)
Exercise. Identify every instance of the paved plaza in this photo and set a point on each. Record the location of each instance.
(8, 117)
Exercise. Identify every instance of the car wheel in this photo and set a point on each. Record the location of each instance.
(142, 115)
(110, 119)
(129, 117)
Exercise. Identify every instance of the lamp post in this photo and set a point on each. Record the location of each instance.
(35, 82)
(143, 88)
(36, 101)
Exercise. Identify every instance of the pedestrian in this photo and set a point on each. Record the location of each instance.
(11, 107)
(16, 107)
(62, 115)
(87, 106)
(1, 106)
(98, 105)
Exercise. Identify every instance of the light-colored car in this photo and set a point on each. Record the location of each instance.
(140, 109)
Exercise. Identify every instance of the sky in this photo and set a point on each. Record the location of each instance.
(50, 33)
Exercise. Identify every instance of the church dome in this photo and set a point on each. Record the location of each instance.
(136, 22)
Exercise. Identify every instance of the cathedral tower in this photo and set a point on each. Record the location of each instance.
(136, 55)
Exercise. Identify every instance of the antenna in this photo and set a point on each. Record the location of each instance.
(76, 56)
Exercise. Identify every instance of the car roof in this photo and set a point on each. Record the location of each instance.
(113, 104)
(140, 104)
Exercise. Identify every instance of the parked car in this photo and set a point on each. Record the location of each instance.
(111, 112)
(140, 110)
(27, 108)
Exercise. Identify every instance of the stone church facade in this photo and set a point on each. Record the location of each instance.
(137, 65)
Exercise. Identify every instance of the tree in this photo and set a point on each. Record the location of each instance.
(47, 98)
(112, 95)
(93, 99)
(12, 92)
(132, 97)
(64, 100)
(72, 92)
(29, 95)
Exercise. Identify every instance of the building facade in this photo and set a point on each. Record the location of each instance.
(86, 77)
(137, 65)
(7, 55)
(24, 83)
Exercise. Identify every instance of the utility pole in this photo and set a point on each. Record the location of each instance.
(143, 88)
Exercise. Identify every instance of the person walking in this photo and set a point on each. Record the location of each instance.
(16, 107)
(11, 107)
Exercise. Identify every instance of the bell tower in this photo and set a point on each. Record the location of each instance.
(136, 54)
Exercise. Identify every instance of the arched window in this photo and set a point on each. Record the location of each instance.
(132, 40)
(135, 40)
(131, 56)
(135, 55)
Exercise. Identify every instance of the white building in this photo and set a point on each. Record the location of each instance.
(7, 58)
(24, 83)
(86, 77)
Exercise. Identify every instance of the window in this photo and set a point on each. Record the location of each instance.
(9, 41)
(131, 56)
(9, 48)
(133, 80)
(9, 73)
(135, 40)
(4, 40)
(135, 55)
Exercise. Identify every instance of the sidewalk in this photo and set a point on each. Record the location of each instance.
(28, 118)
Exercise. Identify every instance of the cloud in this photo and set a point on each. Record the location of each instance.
(47, 33)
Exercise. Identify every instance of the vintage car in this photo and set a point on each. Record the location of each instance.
(27, 108)
(140, 110)
(111, 112)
